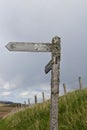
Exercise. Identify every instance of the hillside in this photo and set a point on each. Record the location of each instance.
(72, 115)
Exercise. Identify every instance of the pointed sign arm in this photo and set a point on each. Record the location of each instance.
(27, 46)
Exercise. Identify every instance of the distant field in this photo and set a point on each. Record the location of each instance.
(2, 104)
(5, 109)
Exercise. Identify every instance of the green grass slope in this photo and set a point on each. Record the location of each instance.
(72, 115)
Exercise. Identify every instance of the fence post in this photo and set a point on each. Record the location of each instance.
(24, 103)
(28, 101)
(43, 96)
(64, 87)
(80, 83)
(35, 99)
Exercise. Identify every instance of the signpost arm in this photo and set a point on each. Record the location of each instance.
(55, 75)
(48, 67)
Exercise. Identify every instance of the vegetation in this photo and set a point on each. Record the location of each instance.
(72, 115)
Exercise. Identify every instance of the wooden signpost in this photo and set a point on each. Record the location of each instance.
(53, 65)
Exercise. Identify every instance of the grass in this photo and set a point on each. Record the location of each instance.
(73, 111)
(72, 115)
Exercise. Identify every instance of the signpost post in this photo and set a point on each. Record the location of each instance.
(55, 78)
(53, 65)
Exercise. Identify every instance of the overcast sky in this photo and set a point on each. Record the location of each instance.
(22, 73)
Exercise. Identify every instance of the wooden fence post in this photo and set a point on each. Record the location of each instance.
(80, 83)
(24, 103)
(43, 96)
(35, 99)
(64, 87)
(28, 101)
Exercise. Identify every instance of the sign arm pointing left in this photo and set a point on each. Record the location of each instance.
(30, 47)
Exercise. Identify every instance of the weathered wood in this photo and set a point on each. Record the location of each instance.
(35, 99)
(55, 79)
(48, 67)
(28, 101)
(80, 83)
(43, 96)
(64, 87)
(30, 47)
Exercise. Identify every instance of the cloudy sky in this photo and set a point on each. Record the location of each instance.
(22, 73)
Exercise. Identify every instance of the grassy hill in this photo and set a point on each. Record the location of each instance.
(72, 115)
